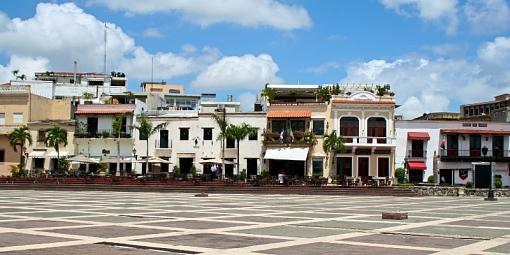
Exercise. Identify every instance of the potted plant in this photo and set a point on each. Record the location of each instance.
(106, 134)
(103, 169)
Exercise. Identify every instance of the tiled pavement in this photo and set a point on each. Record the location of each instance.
(64, 222)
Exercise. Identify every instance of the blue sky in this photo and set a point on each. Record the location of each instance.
(436, 54)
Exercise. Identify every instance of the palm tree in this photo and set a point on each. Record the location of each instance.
(130, 96)
(15, 73)
(116, 130)
(146, 129)
(333, 143)
(223, 124)
(19, 136)
(55, 136)
(238, 133)
(269, 93)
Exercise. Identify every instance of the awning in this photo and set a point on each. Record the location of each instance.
(36, 154)
(424, 136)
(53, 154)
(298, 154)
(416, 165)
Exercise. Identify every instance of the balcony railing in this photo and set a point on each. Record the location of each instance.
(416, 154)
(102, 133)
(474, 154)
(298, 138)
(360, 140)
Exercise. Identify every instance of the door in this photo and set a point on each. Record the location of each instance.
(482, 176)
(383, 167)
(251, 167)
(163, 139)
(363, 166)
(452, 141)
(446, 176)
(185, 165)
(417, 149)
(229, 168)
(92, 123)
(343, 167)
(497, 146)
(416, 176)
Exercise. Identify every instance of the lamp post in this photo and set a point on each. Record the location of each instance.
(134, 156)
(490, 194)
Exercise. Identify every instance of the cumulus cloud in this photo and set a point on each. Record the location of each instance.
(152, 32)
(247, 100)
(25, 65)
(429, 85)
(488, 16)
(438, 11)
(250, 13)
(247, 71)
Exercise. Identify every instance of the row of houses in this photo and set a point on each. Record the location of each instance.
(292, 123)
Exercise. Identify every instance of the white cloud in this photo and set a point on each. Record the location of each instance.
(25, 65)
(152, 32)
(250, 13)
(247, 100)
(438, 11)
(247, 71)
(323, 68)
(488, 16)
(429, 85)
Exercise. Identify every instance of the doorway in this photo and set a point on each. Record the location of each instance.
(363, 167)
(446, 176)
(185, 165)
(343, 167)
(229, 168)
(383, 167)
(416, 176)
(417, 149)
(251, 167)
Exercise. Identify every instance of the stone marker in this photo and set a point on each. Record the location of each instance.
(394, 215)
(201, 195)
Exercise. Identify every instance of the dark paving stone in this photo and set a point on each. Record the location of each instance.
(241, 211)
(16, 209)
(36, 224)
(185, 214)
(294, 231)
(481, 223)
(460, 231)
(311, 215)
(215, 241)
(354, 211)
(108, 231)
(335, 249)
(113, 219)
(15, 239)
(90, 249)
(348, 224)
(54, 214)
(261, 219)
(505, 248)
(409, 240)
(411, 219)
(194, 224)
(119, 211)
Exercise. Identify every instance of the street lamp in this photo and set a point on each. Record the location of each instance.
(490, 194)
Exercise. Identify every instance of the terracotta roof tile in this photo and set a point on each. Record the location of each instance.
(289, 114)
(103, 111)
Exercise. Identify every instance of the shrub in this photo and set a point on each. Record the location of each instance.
(63, 164)
(264, 173)
(243, 175)
(498, 182)
(103, 168)
(400, 174)
(176, 170)
(193, 170)
(469, 185)
(431, 179)
(15, 170)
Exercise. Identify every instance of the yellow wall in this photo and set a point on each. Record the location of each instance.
(164, 88)
(11, 157)
(42, 108)
(11, 103)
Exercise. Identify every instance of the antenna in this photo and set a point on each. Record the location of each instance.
(104, 66)
(152, 70)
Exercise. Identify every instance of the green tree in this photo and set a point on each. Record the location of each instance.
(323, 93)
(333, 143)
(147, 129)
(88, 96)
(222, 124)
(19, 136)
(15, 73)
(55, 136)
(116, 131)
(269, 94)
(238, 133)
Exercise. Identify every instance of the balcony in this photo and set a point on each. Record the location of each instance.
(474, 155)
(299, 139)
(102, 133)
(416, 155)
(360, 141)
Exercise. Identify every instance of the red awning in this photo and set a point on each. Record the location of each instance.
(416, 165)
(424, 136)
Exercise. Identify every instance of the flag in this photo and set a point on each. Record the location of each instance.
(291, 135)
(281, 136)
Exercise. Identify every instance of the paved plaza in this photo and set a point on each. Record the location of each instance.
(92, 223)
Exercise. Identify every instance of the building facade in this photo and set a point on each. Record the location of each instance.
(495, 110)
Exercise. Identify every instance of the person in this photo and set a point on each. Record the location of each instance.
(214, 169)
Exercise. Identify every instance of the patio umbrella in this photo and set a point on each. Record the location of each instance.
(215, 161)
(83, 159)
(122, 160)
(154, 160)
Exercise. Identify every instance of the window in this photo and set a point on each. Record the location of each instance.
(2, 156)
(317, 166)
(96, 83)
(2, 118)
(231, 143)
(475, 144)
(254, 135)
(41, 136)
(278, 125)
(208, 134)
(298, 125)
(184, 133)
(318, 127)
(17, 118)
(349, 126)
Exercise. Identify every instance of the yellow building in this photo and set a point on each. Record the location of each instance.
(162, 87)
(19, 107)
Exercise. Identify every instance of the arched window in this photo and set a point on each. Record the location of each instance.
(376, 128)
(349, 127)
